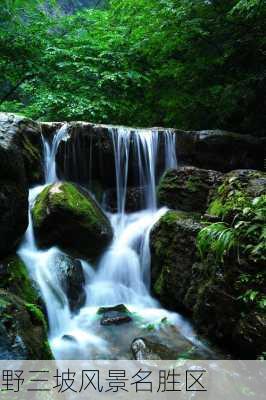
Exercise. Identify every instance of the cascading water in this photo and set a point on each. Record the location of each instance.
(123, 273)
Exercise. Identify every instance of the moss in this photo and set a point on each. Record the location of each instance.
(158, 286)
(41, 203)
(67, 196)
(26, 321)
(46, 350)
(15, 278)
(194, 183)
(36, 314)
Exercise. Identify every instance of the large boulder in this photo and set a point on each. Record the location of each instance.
(173, 250)
(20, 166)
(22, 135)
(225, 296)
(220, 150)
(71, 277)
(64, 215)
(187, 188)
(23, 330)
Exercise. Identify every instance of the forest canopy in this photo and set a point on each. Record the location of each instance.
(191, 64)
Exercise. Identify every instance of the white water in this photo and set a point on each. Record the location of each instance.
(123, 273)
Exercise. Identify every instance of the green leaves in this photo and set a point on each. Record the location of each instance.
(216, 238)
(187, 63)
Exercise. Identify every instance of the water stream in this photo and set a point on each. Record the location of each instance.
(123, 272)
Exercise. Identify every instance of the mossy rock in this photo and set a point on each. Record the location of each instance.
(65, 215)
(173, 251)
(14, 277)
(23, 330)
(235, 193)
(187, 188)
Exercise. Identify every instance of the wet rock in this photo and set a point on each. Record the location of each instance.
(20, 166)
(134, 199)
(66, 216)
(23, 330)
(21, 135)
(69, 338)
(173, 251)
(187, 188)
(151, 348)
(220, 150)
(13, 215)
(49, 129)
(87, 153)
(211, 290)
(72, 280)
(114, 315)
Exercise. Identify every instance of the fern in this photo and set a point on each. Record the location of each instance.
(216, 238)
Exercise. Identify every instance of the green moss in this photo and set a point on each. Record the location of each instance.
(194, 183)
(36, 314)
(158, 287)
(15, 278)
(41, 203)
(47, 353)
(69, 197)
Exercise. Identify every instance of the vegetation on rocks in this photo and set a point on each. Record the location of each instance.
(14, 278)
(217, 271)
(23, 329)
(67, 216)
(187, 188)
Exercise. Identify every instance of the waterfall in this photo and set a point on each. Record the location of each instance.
(123, 272)
(50, 154)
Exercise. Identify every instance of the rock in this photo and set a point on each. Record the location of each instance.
(220, 150)
(64, 215)
(20, 166)
(209, 289)
(187, 188)
(134, 199)
(69, 338)
(173, 252)
(23, 330)
(13, 215)
(150, 348)
(72, 280)
(237, 189)
(87, 153)
(14, 278)
(115, 315)
(22, 135)
(49, 129)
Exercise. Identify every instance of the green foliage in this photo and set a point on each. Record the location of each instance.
(216, 238)
(185, 63)
(247, 236)
(247, 233)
